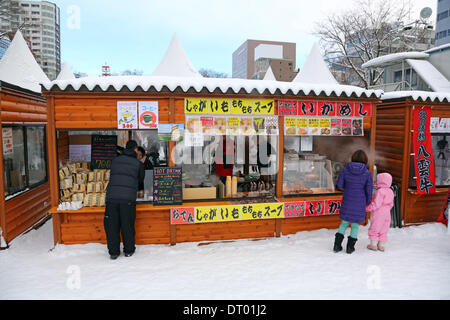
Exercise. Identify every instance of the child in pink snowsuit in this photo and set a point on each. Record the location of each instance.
(380, 208)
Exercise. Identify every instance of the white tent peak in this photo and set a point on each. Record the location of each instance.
(175, 62)
(18, 66)
(315, 69)
(269, 75)
(66, 73)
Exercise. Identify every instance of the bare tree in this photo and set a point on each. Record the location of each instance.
(371, 29)
(208, 73)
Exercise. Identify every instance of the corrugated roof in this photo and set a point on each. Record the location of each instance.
(206, 85)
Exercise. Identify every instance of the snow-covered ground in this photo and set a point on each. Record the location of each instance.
(301, 266)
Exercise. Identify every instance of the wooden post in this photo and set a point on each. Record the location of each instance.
(373, 122)
(280, 159)
(2, 182)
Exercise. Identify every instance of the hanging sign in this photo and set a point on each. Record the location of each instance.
(148, 114)
(127, 115)
(423, 151)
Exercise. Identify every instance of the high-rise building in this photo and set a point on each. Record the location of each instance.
(39, 22)
(252, 59)
(442, 22)
(4, 44)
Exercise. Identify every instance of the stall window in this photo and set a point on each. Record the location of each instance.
(155, 149)
(24, 157)
(250, 160)
(441, 156)
(312, 164)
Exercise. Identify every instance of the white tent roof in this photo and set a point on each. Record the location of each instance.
(175, 62)
(18, 66)
(269, 75)
(315, 69)
(430, 75)
(66, 73)
(417, 95)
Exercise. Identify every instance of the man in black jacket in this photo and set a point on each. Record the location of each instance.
(127, 173)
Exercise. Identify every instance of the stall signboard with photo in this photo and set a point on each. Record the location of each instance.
(170, 132)
(148, 115)
(127, 115)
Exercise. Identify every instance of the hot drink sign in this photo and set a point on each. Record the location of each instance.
(127, 115)
(148, 114)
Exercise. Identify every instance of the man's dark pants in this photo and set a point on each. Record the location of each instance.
(120, 218)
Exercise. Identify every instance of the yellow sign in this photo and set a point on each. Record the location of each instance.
(206, 214)
(251, 211)
(195, 105)
(302, 122)
(289, 122)
(325, 123)
(263, 106)
(219, 106)
(272, 210)
(242, 106)
(229, 213)
(313, 123)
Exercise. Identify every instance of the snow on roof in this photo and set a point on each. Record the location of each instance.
(66, 73)
(269, 75)
(18, 66)
(418, 95)
(438, 48)
(315, 70)
(394, 58)
(175, 62)
(430, 75)
(207, 85)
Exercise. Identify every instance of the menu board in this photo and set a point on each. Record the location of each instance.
(167, 186)
(103, 150)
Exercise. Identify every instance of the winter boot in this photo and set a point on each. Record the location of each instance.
(351, 244)
(338, 242)
(372, 246)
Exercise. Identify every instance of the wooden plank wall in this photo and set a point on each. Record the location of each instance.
(390, 140)
(23, 211)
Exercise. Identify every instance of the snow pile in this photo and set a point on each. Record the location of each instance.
(315, 70)
(175, 62)
(300, 266)
(217, 85)
(418, 95)
(18, 66)
(66, 73)
(393, 58)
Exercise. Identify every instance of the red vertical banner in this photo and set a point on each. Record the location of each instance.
(423, 151)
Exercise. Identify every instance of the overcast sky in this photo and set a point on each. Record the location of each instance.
(135, 34)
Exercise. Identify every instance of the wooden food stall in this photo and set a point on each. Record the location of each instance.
(398, 149)
(23, 183)
(307, 132)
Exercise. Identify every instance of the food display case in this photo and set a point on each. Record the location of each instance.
(307, 173)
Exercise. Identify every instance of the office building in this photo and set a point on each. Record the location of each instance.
(252, 59)
(442, 22)
(39, 22)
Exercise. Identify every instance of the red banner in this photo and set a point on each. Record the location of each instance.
(423, 151)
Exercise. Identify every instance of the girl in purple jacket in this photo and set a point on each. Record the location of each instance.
(356, 181)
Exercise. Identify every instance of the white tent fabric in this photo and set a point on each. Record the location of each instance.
(18, 66)
(315, 69)
(269, 75)
(66, 73)
(175, 62)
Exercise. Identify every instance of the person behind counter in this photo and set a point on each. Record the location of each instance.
(126, 174)
(142, 157)
(224, 158)
(356, 181)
